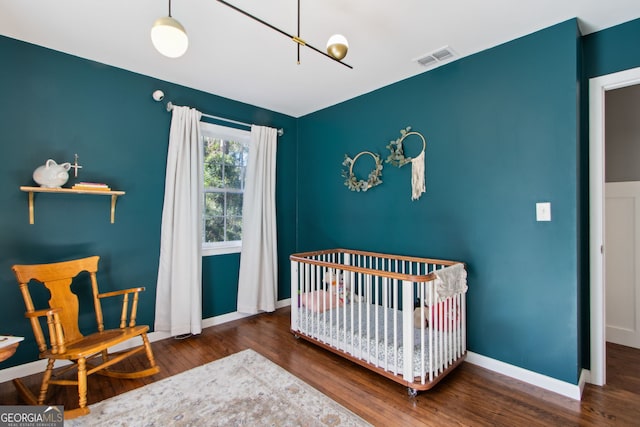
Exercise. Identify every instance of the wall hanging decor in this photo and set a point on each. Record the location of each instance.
(398, 159)
(356, 184)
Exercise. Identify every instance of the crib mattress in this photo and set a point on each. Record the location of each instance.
(379, 340)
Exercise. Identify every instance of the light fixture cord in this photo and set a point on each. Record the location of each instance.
(169, 8)
(298, 32)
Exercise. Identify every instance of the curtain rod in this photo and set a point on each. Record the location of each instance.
(170, 107)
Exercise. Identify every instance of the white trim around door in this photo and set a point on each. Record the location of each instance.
(597, 252)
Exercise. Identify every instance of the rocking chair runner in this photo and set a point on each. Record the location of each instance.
(65, 340)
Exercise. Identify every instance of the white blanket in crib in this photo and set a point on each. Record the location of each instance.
(450, 281)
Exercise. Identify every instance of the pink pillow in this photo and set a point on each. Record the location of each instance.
(319, 301)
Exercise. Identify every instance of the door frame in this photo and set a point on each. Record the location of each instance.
(597, 89)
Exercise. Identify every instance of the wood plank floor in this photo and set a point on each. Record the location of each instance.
(470, 395)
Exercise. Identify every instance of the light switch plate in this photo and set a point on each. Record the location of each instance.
(543, 211)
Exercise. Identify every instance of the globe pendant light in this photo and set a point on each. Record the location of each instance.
(169, 37)
(337, 46)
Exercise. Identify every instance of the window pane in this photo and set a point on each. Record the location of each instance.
(214, 229)
(213, 205)
(234, 177)
(234, 204)
(234, 228)
(236, 149)
(213, 172)
(213, 175)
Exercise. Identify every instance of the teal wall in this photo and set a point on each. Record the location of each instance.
(53, 105)
(612, 50)
(501, 129)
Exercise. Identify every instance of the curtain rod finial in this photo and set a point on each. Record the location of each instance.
(158, 95)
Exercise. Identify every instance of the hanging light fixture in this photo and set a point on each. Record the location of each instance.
(337, 45)
(169, 37)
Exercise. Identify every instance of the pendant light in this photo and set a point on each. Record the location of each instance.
(169, 36)
(337, 46)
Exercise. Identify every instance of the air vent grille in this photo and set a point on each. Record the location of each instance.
(427, 60)
(440, 55)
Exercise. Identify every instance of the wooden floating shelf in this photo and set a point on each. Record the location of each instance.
(31, 190)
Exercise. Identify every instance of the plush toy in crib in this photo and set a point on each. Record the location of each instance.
(421, 317)
(340, 286)
(444, 313)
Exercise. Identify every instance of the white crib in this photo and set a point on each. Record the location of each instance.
(371, 307)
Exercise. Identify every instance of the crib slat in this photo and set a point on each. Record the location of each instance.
(423, 315)
(394, 287)
(385, 321)
(372, 296)
(432, 326)
(407, 339)
(295, 291)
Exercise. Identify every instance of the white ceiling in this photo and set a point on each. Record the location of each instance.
(233, 56)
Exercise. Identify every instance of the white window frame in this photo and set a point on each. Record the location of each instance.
(223, 132)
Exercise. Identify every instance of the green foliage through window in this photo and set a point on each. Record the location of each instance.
(224, 168)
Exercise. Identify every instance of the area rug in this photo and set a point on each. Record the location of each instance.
(244, 389)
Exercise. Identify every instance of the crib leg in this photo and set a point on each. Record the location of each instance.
(412, 392)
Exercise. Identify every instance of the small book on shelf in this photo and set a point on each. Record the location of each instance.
(94, 186)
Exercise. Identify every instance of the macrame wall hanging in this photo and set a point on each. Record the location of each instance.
(398, 159)
(356, 184)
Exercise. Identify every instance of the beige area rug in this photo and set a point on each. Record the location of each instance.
(244, 389)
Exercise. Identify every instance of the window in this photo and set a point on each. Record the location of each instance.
(225, 154)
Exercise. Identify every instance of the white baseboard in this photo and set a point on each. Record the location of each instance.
(283, 303)
(38, 366)
(572, 391)
(229, 317)
(585, 377)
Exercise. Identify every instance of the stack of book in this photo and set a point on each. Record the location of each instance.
(91, 186)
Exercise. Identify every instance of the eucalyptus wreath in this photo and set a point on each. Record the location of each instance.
(396, 157)
(353, 182)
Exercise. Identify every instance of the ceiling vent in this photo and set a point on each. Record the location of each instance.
(433, 58)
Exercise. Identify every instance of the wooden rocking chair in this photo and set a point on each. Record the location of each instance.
(88, 353)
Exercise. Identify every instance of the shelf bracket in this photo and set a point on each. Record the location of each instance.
(31, 219)
(113, 208)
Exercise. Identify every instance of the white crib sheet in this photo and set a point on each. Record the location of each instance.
(376, 344)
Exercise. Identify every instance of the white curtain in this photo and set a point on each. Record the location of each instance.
(179, 288)
(258, 281)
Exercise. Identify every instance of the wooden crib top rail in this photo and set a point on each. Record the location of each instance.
(310, 258)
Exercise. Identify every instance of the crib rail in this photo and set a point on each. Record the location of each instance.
(383, 311)
(372, 263)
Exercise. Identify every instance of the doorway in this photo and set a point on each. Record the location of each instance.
(621, 216)
(597, 89)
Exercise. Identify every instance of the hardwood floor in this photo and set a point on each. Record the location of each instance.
(470, 395)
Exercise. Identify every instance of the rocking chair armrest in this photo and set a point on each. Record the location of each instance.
(125, 304)
(44, 312)
(121, 292)
(56, 334)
